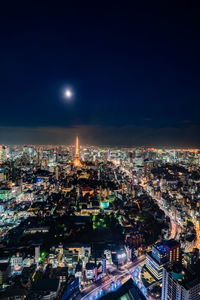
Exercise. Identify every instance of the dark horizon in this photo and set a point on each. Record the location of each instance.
(92, 137)
(133, 71)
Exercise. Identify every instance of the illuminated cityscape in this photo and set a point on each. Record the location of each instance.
(99, 150)
(93, 221)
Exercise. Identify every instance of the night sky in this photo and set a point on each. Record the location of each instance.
(134, 71)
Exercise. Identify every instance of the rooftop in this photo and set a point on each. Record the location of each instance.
(188, 278)
(47, 285)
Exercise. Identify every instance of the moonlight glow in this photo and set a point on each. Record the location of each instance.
(68, 93)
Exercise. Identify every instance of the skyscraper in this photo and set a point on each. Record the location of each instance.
(162, 252)
(37, 253)
(179, 283)
(3, 154)
(57, 172)
(148, 166)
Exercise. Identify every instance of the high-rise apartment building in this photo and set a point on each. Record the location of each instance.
(179, 283)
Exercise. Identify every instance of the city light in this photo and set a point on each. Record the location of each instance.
(121, 255)
(68, 193)
(100, 152)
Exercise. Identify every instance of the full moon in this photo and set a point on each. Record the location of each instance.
(68, 93)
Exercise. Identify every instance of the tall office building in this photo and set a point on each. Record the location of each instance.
(57, 172)
(148, 166)
(3, 154)
(179, 283)
(162, 252)
(37, 253)
(130, 157)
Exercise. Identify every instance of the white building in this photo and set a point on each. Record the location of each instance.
(16, 260)
(180, 284)
(37, 254)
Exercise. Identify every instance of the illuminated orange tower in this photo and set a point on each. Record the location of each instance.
(77, 162)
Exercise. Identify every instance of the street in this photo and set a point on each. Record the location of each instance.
(116, 279)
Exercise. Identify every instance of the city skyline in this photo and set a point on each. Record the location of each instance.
(91, 221)
(130, 136)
